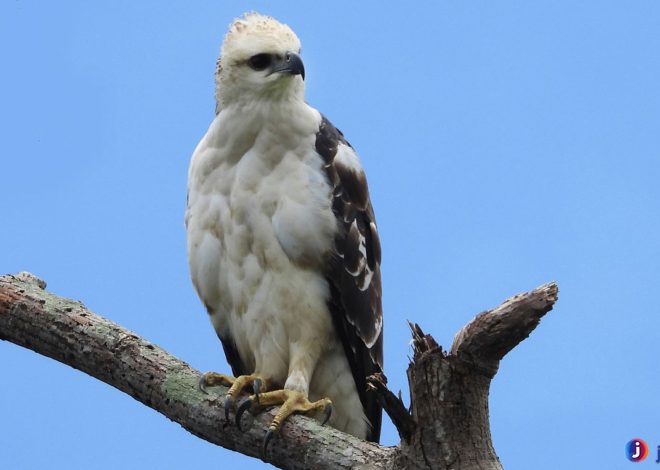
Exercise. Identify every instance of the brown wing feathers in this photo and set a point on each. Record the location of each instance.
(354, 270)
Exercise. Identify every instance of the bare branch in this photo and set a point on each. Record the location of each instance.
(392, 405)
(67, 331)
(492, 334)
(421, 342)
(447, 427)
(449, 392)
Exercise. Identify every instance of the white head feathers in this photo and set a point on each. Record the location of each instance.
(255, 33)
(248, 36)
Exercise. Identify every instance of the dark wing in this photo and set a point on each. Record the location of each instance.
(354, 268)
(234, 360)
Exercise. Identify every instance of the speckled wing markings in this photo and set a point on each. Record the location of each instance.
(354, 268)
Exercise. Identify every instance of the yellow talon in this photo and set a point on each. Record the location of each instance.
(211, 379)
(291, 402)
(235, 384)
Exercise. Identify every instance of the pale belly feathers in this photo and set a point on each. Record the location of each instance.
(259, 227)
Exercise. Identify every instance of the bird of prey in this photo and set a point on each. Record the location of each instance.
(282, 241)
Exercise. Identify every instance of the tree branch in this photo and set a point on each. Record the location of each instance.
(393, 405)
(492, 334)
(449, 392)
(447, 427)
(67, 331)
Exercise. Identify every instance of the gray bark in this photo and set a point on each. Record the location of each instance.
(447, 427)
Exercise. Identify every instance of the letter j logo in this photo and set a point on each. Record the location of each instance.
(637, 450)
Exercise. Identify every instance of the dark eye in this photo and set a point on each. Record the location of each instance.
(260, 61)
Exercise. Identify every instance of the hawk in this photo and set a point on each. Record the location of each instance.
(282, 241)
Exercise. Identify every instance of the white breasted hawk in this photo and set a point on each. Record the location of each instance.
(282, 241)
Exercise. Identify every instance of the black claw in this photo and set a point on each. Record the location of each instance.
(327, 411)
(256, 386)
(242, 408)
(264, 446)
(229, 402)
(202, 384)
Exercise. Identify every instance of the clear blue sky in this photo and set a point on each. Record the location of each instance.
(506, 144)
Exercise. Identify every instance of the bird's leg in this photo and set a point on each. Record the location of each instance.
(291, 401)
(236, 386)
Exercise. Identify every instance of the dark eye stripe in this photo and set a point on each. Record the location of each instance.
(260, 61)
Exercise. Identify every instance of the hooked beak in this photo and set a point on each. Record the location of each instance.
(291, 64)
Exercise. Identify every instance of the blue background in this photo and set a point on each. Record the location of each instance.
(506, 143)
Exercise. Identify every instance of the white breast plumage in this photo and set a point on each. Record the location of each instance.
(282, 242)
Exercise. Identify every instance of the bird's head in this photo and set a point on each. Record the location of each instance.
(259, 60)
